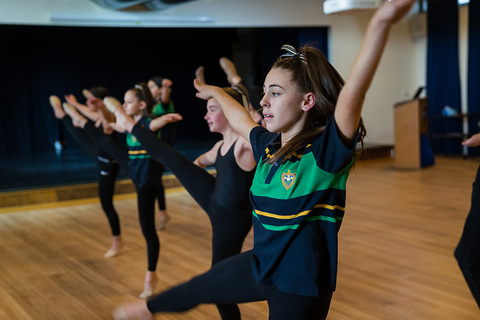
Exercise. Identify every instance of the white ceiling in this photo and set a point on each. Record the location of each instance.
(197, 13)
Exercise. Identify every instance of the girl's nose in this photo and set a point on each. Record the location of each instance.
(263, 103)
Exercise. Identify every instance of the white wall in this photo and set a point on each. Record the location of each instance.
(401, 71)
(225, 13)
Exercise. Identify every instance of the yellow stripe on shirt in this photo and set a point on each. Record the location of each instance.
(301, 214)
(137, 152)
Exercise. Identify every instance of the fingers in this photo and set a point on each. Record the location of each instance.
(473, 141)
(172, 117)
(202, 89)
(166, 83)
(70, 98)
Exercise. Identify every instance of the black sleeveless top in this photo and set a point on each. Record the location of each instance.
(233, 184)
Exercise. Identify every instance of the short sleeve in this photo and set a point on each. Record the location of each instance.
(330, 152)
(259, 139)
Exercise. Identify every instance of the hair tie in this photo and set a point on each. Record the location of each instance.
(138, 87)
(244, 98)
(292, 53)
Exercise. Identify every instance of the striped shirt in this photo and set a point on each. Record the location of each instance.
(144, 171)
(298, 207)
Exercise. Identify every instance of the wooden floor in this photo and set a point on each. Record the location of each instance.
(395, 261)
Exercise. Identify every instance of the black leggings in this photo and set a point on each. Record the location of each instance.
(146, 216)
(229, 227)
(107, 175)
(161, 197)
(232, 281)
(145, 196)
(467, 252)
(81, 137)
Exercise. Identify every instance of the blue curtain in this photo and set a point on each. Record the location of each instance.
(473, 97)
(443, 75)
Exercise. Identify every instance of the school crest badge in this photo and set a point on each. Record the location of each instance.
(288, 179)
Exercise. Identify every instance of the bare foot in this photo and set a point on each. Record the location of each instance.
(163, 218)
(77, 119)
(112, 104)
(200, 74)
(229, 68)
(136, 310)
(151, 280)
(123, 120)
(57, 107)
(86, 93)
(117, 245)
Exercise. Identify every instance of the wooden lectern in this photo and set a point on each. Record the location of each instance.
(411, 121)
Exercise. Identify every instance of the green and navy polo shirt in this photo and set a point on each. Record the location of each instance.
(298, 207)
(144, 171)
(160, 108)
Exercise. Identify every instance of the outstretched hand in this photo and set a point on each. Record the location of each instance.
(105, 118)
(172, 117)
(163, 120)
(167, 83)
(205, 91)
(70, 98)
(392, 11)
(473, 141)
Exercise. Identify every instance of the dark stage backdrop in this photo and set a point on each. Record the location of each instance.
(38, 61)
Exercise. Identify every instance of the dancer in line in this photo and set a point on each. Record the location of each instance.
(107, 167)
(304, 156)
(225, 197)
(161, 90)
(145, 173)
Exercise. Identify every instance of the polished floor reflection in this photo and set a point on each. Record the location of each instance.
(66, 166)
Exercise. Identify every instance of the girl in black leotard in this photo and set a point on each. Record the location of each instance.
(224, 198)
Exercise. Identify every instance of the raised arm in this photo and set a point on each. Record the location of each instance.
(90, 114)
(351, 98)
(166, 90)
(237, 116)
(163, 120)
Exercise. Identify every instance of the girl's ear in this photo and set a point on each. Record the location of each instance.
(143, 105)
(308, 101)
